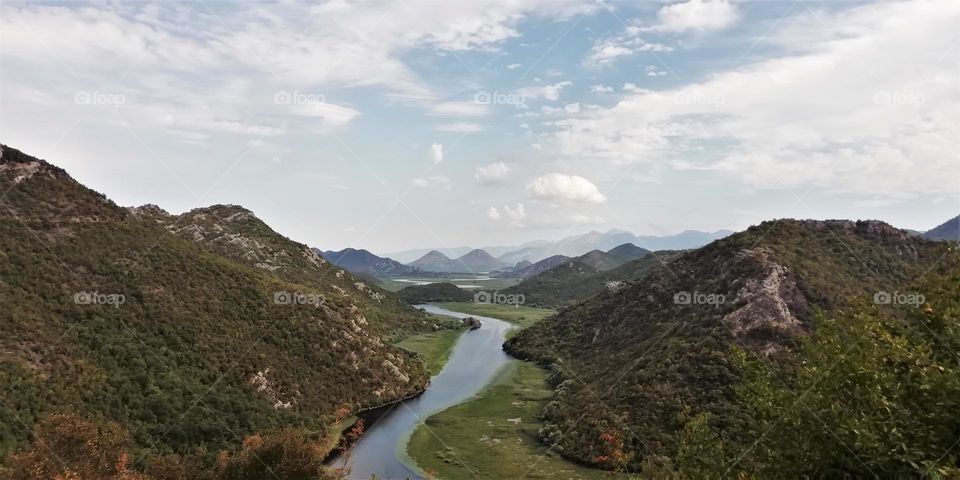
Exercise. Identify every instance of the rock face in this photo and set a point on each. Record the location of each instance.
(661, 347)
(771, 303)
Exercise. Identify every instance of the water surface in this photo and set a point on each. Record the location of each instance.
(475, 359)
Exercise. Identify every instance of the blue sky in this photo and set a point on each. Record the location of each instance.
(392, 125)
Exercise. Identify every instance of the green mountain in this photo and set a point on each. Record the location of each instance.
(587, 275)
(633, 365)
(191, 331)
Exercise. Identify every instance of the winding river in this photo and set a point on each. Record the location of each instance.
(475, 359)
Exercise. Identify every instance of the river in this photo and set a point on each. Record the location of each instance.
(475, 359)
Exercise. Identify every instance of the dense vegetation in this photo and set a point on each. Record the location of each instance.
(191, 332)
(575, 281)
(874, 396)
(634, 369)
(434, 292)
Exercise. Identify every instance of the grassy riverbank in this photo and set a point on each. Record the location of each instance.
(495, 435)
(434, 347)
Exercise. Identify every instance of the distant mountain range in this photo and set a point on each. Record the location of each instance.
(572, 246)
(474, 261)
(363, 262)
(949, 230)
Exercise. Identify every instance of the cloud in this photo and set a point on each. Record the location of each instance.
(459, 109)
(557, 186)
(513, 66)
(572, 107)
(515, 217)
(436, 153)
(600, 89)
(185, 70)
(605, 51)
(653, 71)
(459, 127)
(492, 174)
(432, 181)
(697, 15)
(552, 92)
(871, 111)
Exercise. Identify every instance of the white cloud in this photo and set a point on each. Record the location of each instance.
(431, 181)
(600, 89)
(195, 73)
(492, 174)
(552, 92)
(513, 66)
(557, 186)
(697, 15)
(436, 153)
(872, 111)
(653, 71)
(515, 217)
(605, 51)
(572, 107)
(459, 127)
(459, 109)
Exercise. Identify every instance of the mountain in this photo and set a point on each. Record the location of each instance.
(632, 365)
(432, 261)
(541, 266)
(363, 262)
(949, 230)
(575, 281)
(479, 261)
(627, 252)
(474, 261)
(193, 331)
(572, 246)
(577, 245)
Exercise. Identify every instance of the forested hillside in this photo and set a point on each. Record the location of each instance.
(191, 333)
(633, 367)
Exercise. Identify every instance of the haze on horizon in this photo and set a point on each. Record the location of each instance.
(393, 126)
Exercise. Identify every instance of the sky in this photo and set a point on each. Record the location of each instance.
(396, 125)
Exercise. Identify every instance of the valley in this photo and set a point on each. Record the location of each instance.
(206, 345)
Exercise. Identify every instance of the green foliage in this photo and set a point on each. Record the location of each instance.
(434, 292)
(199, 353)
(575, 281)
(639, 356)
(873, 395)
